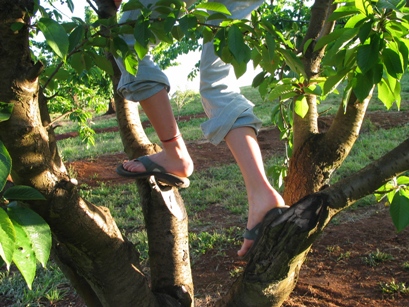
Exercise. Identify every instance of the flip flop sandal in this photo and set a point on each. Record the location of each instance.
(255, 233)
(153, 169)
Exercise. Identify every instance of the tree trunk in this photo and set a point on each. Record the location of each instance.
(111, 107)
(272, 273)
(164, 211)
(102, 264)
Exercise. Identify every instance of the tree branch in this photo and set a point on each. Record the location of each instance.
(345, 192)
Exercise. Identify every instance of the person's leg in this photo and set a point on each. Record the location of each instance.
(174, 157)
(260, 194)
(149, 87)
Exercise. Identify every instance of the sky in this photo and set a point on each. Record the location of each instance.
(177, 75)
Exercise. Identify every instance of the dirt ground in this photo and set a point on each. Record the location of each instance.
(347, 264)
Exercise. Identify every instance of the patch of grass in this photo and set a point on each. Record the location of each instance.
(74, 149)
(122, 201)
(333, 249)
(49, 287)
(392, 288)
(140, 240)
(374, 258)
(98, 122)
(219, 240)
(193, 105)
(369, 147)
(405, 265)
(223, 185)
(236, 271)
(344, 256)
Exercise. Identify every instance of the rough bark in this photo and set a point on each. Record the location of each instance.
(272, 273)
(307, 126)
(111, 107)
(317, 155)
(91, 250)
(164, 212)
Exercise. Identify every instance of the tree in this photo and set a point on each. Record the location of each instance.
(89, 248)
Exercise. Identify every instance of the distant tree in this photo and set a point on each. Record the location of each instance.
(359, 43)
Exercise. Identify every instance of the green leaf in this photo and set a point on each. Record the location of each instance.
(55, 36)
(282, 90)
(120, 46)
(364, 6)
(142, 35)
(37, 231)
(385, 94)
(207, 35)
(131, 64)
(70, 26)
(188, 23)
(22, 192)
(177, 33)
(238, 48)
(17, 26)
(355, 21)
(363, 86)
(103, 63)
(390, 4)
(160, 33)
(364, 31)
(333, 81)
(23, 256)
(293, 62)
(346, 95)
(403, 180)
(141, 50)
(388, 190)
(392, 63)
(5, 165)
(61, 73)
(239, 68)
(5, 111)
(342, 12)
(258, 79)
(216, 16)
(169, 23)
(77, 62)
(7, 238)
(132, 5)
(301, 106)
(271, 46)
(75, 37)
(70, 5)
(313, 89)
(399, 210)
(340, 37)
(215, 7)
(404, 51)
(367, 55)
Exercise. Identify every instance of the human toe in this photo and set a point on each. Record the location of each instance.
(245, 247)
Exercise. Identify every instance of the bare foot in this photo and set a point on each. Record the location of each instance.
(257, 211)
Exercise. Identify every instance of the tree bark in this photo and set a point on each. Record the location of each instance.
(164, 212)
(272, 273)
(87, 242)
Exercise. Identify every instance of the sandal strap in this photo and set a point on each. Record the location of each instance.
(149, 165)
